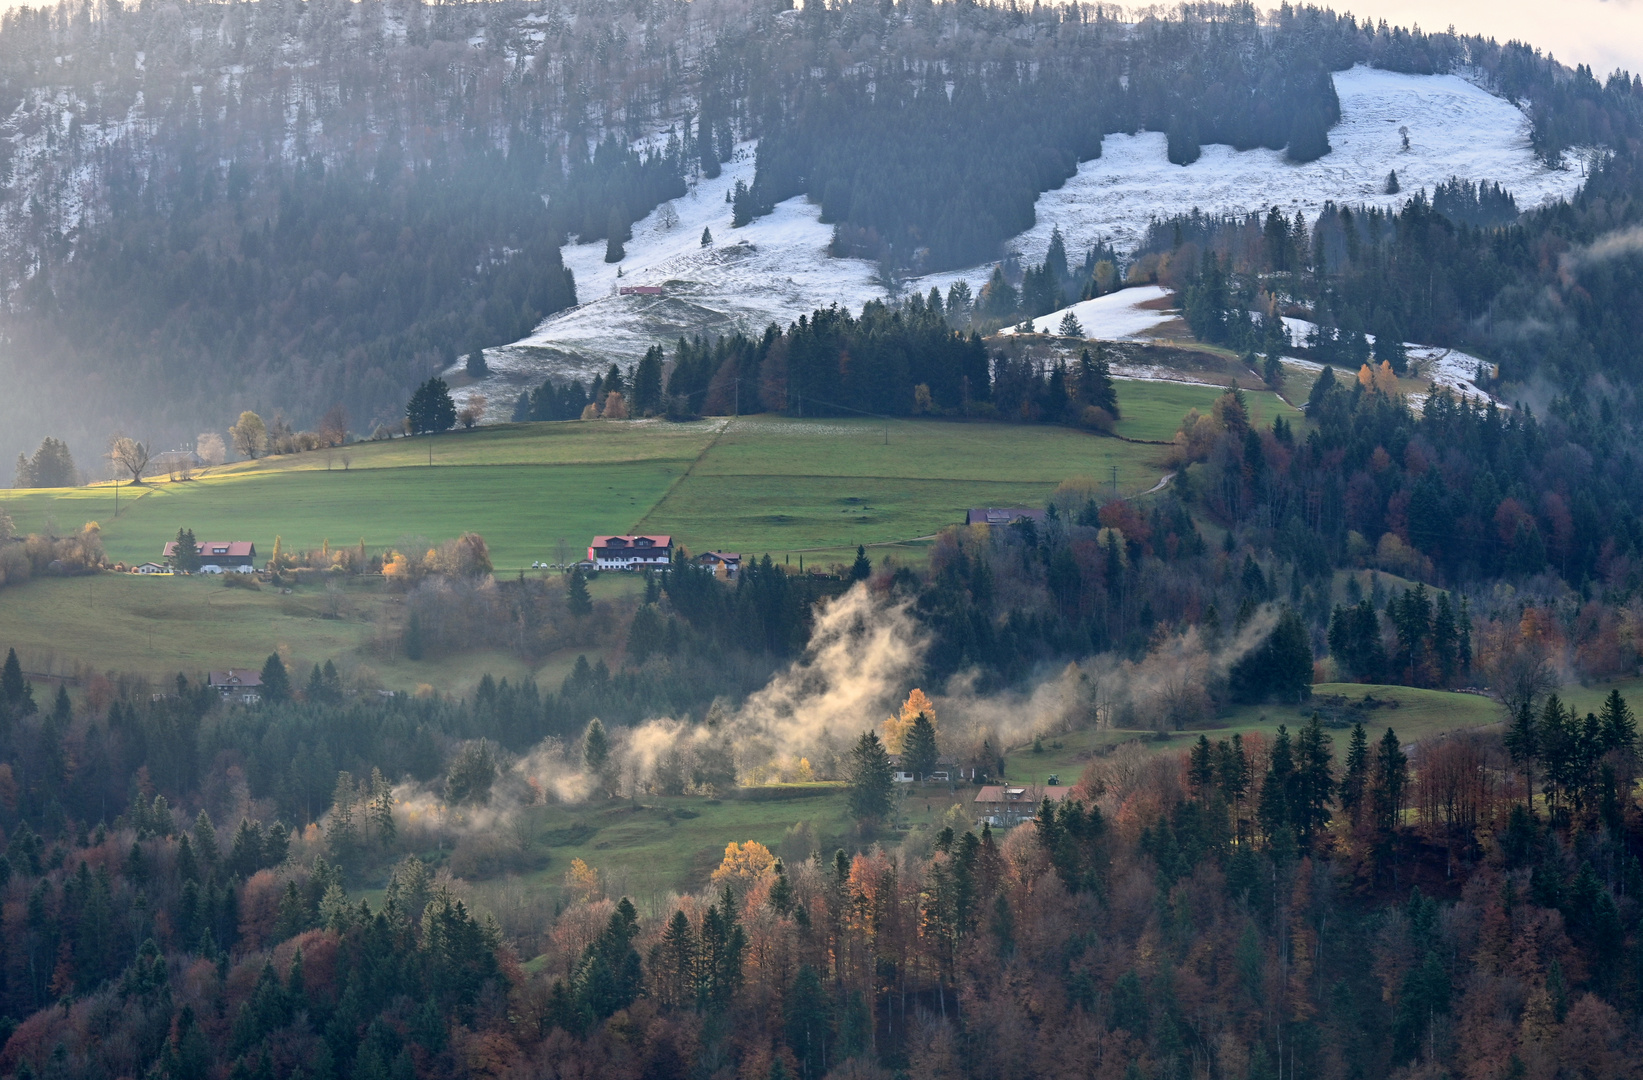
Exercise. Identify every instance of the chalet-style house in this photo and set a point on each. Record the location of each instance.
(240, 685)
(1005, 805)
(630, 552)
(217, 556)
(1004, 515)
(151, 568)
(724, 564)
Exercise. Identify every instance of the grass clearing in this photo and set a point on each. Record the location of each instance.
(1153, 410)
(658, 844)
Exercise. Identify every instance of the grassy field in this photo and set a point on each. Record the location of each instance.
(645, 849)
(1153, 410)
(818, 488)
(539, 491)
(159, 626)
(801, 490)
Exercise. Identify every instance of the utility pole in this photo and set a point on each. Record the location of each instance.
(1115, 481)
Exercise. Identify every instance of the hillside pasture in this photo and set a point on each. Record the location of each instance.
(1153, 410)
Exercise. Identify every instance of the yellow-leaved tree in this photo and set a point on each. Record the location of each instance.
(896, 727)
(743, 864)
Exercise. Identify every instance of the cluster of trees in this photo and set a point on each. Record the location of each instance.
(1460, 491)
(1260, 899)
(1462, 268)
(897, 360)
(1433, 642)
(51, 466)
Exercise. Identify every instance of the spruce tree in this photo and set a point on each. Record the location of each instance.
(16, 694)
(616, 234)
(647, 383)
(477, 368)
(185, 556)
(862, 568)
(1273, 811)
(871, 779)
(1390, 782)
(577, 599)
(919, 754)
(595, 747)
(276, 683)
(1356, 778)
(1619, 726)
(1314, 780)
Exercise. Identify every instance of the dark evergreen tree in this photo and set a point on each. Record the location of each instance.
(185, 555)
(276, 682)
(431, 409)
(871, 779)
(919, 754)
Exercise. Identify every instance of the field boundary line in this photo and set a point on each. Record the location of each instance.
(711, 443)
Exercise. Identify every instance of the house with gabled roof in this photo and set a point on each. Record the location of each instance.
(242, 685)
(633, 552)
(223, 554)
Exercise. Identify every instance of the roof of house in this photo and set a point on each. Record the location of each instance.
(640, 540)
(1026, 795)
(719, 556)
(246, 677)
(1002, 515)
(233, 549)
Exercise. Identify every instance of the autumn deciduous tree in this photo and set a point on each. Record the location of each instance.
(896, 726)
(250, 435)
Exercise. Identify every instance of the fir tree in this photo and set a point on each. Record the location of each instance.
(919, 754)
(1356, 778)
(431, 409)
(1389, 783)
(1619, 726)
(276, 683)
(16, 694)
(595, 747)
(185, 555)
(577, 600)
(871, 779)
(616, 234)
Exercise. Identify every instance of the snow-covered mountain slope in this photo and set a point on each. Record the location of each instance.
(777, 268)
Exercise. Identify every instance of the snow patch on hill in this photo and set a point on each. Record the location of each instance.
(777, 268)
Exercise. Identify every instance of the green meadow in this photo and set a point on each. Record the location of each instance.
(1153, 410)
(538, 492)
(800, 490)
